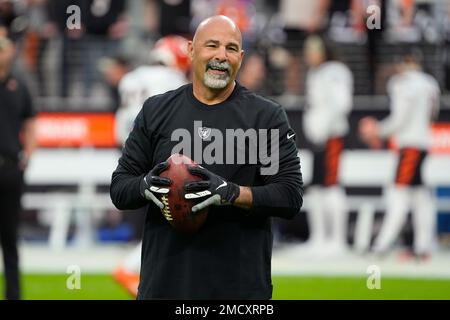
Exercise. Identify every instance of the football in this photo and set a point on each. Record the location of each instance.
(178, 210)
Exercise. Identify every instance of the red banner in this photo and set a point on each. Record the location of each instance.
(441, 138)
(75, 130)
(97, 130)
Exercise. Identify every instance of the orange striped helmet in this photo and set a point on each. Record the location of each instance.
(172, 51)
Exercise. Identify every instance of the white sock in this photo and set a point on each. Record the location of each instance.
(424, 220)
(336, 213)
(364, 227)
(397, 205)
(132, 261)
(315, 215)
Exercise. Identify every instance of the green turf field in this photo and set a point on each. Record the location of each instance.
(101, 286)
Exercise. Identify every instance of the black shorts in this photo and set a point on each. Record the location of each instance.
(409, 167)
(326, 163)
(294, 40)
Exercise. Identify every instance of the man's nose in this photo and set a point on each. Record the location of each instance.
(221, 53)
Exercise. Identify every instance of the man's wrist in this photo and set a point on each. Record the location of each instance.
(233, 193)
(245, 198)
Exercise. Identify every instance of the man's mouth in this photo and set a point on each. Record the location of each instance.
(217, 69)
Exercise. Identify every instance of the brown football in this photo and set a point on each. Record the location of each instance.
(178, 210)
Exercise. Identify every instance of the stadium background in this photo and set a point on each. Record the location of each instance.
(68, 219)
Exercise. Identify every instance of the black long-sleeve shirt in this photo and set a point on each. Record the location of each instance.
(230, 257)
(16, 106)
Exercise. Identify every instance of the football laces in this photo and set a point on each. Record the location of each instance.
(166, 210)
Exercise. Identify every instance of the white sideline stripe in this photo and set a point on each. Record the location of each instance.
(103, 201)
(352, 264)
(358, 167)
(38, 258)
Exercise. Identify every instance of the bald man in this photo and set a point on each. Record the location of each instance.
(249, 172)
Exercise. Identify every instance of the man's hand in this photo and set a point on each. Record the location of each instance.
(152, 183)
(214, 188)
(368, 131)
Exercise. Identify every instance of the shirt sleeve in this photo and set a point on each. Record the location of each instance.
(134, 163)
(401, 100)
(282, 192)
(329, 107)
(435, 99)
(28, 110)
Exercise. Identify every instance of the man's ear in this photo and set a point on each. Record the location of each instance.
(3, 32)
(242, 58)
(190, 48)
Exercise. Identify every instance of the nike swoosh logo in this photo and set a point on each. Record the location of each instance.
(290, 135)
(224, 184)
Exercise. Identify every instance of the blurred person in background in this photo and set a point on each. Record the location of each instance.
(103, 24)
(71, 49)
(370, 17)
(36, 42)
(12, 15)
(446, 30)
(46, 21)
(165, 17)
(414, 99)
(300, 18)
(17, 142)
(170, 64)
(113, 70)
(168, 71)
(106, 24)
(253, 72)
(329, 94)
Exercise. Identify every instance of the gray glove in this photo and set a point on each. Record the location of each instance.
(152, 183)
(216, 189)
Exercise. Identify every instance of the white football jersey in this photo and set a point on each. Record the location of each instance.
(136, 87)
(329, 99)
(414, 99)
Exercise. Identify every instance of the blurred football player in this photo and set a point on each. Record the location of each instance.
(17, 144)
(329, 92)
(170, 65)
(414, 99)
(168, 70)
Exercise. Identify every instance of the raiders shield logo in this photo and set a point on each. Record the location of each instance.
(204, 132)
